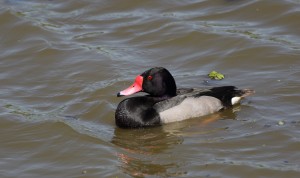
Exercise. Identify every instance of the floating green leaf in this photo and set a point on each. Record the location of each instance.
(216, 75)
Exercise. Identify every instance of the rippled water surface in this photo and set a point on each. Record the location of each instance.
(62, 63)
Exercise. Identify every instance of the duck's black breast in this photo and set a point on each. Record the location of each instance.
(137, 112)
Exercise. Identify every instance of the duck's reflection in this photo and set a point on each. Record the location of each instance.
(143, 151)
(150, 151)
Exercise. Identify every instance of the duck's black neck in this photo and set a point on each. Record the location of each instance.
(160, 98)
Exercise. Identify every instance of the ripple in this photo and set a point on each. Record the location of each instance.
(63, 62)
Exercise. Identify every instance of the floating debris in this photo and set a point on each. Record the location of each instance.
(281, 122)
(216, 75)
(84, 171)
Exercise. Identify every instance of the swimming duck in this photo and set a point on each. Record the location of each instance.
(165, 103)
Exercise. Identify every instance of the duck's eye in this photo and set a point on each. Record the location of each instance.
(150, 77)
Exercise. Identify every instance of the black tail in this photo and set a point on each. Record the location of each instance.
(246, 92)
(226, 93)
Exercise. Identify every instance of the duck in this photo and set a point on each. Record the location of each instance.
(164, 103)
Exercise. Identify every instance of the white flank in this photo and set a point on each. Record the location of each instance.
(235, 100)
(191, 108)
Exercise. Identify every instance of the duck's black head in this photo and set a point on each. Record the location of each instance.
(157, 81)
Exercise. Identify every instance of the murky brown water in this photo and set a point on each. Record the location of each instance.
(62, 63)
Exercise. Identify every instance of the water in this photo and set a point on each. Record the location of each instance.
(62, 63)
